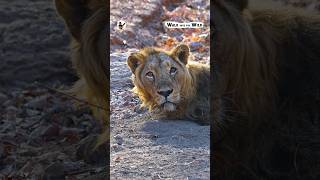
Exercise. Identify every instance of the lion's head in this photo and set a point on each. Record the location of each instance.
(86, 21)
(161, 78)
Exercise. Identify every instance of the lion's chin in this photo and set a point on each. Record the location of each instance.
(169, 107)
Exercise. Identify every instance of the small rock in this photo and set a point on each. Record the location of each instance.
(138, 109)
(117, 159)
(116, 40)
(126, 116)
(119, 140)
(195, 45)
(116, 148)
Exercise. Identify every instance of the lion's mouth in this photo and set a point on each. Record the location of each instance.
(168, 106)
(167, 102)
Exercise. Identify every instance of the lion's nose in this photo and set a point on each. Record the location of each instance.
(165, 93)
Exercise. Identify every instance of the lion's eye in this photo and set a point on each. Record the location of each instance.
(173, 70)
(149, 74)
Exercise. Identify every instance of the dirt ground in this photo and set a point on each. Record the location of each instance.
(42, 134)
(143, 147)
(146, 148)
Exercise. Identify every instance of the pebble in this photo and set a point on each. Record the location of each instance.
(119, 140)
(195, 45)
(140, 110)
(116, 148)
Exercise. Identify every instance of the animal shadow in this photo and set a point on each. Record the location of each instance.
(177, 133)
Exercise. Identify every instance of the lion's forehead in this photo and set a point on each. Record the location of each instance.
(157, 60)
(164, 57)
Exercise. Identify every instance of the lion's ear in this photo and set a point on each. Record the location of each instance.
(134, 60)
(239, 4)
(182, 52)
(75, 12)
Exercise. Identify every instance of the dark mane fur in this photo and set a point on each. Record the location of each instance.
(266, 83)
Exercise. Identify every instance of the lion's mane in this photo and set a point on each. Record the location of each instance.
(265, 92)
(87, 23)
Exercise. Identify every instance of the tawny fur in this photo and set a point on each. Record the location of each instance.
(194, 84)
(87, 23)
(86, 20)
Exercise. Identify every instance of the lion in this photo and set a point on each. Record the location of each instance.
(265, 91)
(169, 83)
(87, 21)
